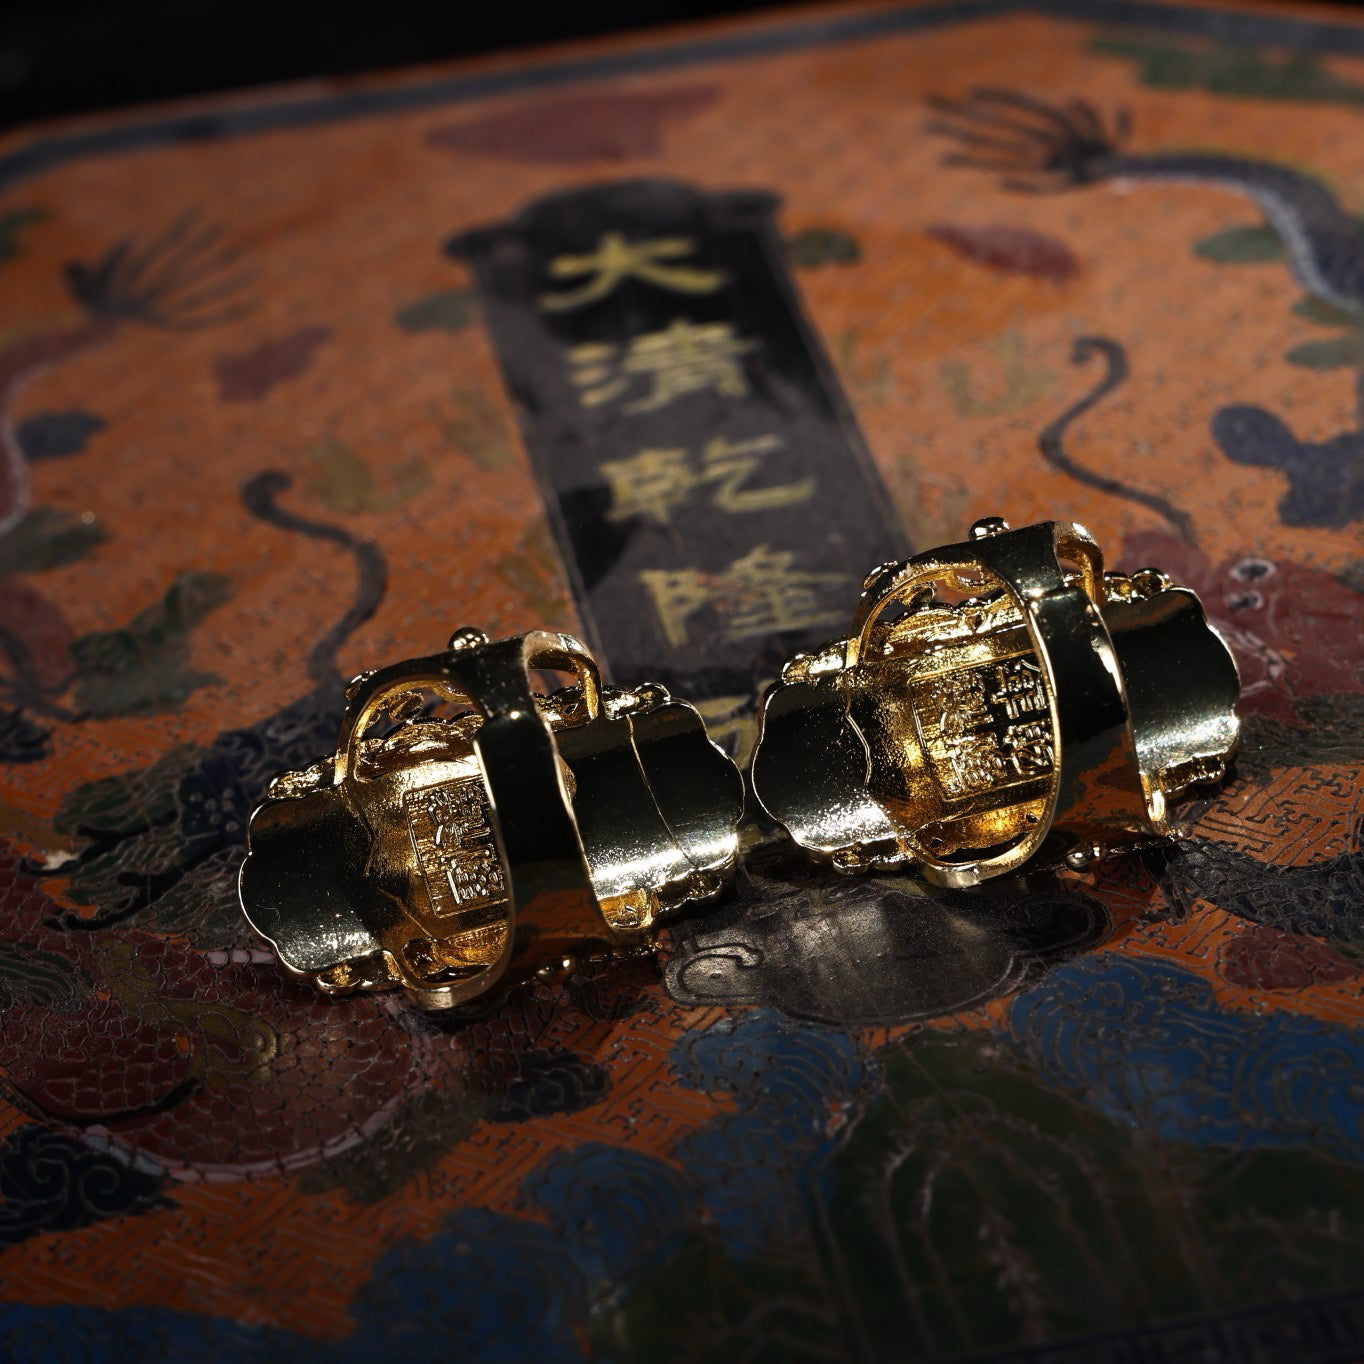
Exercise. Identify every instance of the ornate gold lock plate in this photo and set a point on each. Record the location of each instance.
(406, 859)
(993, 699)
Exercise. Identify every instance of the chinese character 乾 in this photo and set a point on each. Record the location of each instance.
(761, 593)
(654, 482)
(454, 843)
(731, 463)
(649, 484)
(615, 260)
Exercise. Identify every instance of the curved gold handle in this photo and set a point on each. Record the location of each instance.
(566, 653)
(449, 675)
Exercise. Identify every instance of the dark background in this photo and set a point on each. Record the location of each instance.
(69, 56)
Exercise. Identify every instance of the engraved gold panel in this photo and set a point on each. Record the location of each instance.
(450, 825)
(985, 728)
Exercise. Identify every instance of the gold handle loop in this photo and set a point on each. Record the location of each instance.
(449, 675)
(564, 653)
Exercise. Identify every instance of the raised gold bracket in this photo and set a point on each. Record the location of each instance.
(406, 858)
(994, 698)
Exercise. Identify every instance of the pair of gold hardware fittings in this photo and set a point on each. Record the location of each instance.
(994, 700)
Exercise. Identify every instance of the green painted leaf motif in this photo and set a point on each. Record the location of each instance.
(48, 538)
(1163, 66)
(479, 428)
(867, 375)
(144, 667)
(705, 1306)
(1241, 245)
(342, 480)
(534, 572)
(450, 310)
(1332, 352)
(1055, 1218)
(1019, 382)
(1230, 70)
(1318, 310)
(130, 831)
(409, 478)
(201, 907)
(31, 976)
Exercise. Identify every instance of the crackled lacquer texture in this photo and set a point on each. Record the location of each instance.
(260, 428)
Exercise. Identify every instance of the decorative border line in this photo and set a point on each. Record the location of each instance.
(1316, 1331)
(202, 125)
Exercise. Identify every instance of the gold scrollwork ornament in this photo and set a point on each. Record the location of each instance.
(408, 858)
(996, 701)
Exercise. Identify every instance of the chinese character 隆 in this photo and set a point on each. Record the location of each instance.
(761, 593)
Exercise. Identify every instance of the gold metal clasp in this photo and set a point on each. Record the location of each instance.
(995, 698)
(406, 859)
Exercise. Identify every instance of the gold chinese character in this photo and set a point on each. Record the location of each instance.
(761, 593)
(677, 594)
(1018, 688)
(474, 875)
(615, 260)
(732, 463)
(771, 595)
(976, 764)
(453, 840)
(650, 484)
(960, 699)
(457, 815)
(687, 357)
(592, 373)
(1029, 747)
(654, 482)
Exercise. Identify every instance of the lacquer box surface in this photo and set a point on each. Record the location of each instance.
(666, 342)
